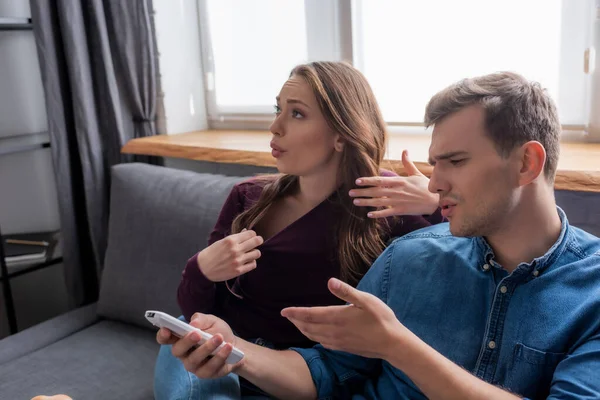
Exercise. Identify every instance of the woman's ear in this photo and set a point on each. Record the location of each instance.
(339, 143)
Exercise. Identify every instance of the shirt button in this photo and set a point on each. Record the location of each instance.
(536, 272)
(492, 344)
(486, 267)
(503, 289)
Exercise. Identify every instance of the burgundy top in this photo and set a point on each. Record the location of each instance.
(293, 270)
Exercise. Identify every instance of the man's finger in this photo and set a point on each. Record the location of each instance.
(346, 292)
(409, 167)
(313, 315)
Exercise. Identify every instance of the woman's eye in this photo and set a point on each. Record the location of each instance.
(297, 114)
(277, 109)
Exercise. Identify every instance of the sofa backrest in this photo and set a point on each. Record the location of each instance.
(159, 218)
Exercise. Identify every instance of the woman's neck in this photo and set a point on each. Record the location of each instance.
(315, 188)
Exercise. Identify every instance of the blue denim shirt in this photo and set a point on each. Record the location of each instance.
(535, 332)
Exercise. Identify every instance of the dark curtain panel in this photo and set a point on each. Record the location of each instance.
(99, 71)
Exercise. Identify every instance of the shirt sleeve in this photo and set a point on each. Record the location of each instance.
(196, 293)
(338, 374)
(577, 375)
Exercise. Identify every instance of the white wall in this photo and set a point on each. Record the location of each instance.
(28, 198)
(178, 40)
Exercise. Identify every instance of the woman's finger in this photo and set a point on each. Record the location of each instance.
(216, 365)
(376, 202)
(244, 269)
(250, 243)
(387, 212)
(373, 192)
(200, 356)
(243, 236)
(380, 181)
(250, 256)
(183, 346)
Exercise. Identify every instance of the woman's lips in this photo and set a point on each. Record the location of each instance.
(276, 153)
(276, 150)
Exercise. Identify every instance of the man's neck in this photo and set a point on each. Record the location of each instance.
(531, 231)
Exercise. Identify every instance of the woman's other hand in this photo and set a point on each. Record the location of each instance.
(230, 257)
(396, 195)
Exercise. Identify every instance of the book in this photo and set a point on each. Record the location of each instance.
(28, 248)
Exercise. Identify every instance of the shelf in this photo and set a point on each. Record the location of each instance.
(24, 148)
(578, 166)
(15, 24)
(25, 269)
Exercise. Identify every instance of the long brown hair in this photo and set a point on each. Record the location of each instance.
(350, 108)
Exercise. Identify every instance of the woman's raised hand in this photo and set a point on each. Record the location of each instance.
(396, 195)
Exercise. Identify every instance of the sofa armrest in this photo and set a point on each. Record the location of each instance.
(46, 333)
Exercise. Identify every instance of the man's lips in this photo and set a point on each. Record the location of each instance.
(447, 208)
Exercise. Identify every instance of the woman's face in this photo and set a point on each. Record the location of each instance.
(303, 143)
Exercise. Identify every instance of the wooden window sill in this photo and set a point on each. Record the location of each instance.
(578, 168)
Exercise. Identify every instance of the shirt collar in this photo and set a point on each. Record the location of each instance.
(539, 264)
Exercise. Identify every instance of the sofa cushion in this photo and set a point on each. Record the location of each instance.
(159, 218)
(113, 361)
(47, 332)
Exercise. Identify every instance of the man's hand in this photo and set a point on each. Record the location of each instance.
(366, 327)
(199, 361)
(397, 195)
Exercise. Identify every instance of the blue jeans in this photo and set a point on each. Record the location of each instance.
(173, 382)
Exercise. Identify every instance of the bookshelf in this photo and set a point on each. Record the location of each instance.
(53, 254)
(15, 24)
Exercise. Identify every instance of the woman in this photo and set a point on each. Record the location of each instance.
(279, 238)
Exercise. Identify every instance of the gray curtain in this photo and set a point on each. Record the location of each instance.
(99, 71)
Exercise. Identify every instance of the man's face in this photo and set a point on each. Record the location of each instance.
(477, 187)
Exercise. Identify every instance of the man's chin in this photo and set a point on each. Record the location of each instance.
(459, 230)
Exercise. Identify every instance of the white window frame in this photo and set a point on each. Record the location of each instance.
(341, 39)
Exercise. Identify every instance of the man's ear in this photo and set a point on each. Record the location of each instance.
(533, 159)
(339, 143)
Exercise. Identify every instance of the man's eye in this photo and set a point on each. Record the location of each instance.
(457, 162)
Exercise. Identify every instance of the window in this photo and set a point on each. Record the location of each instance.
(254, 43)
(408, 50)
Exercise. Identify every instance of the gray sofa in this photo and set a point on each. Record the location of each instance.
(159, 217)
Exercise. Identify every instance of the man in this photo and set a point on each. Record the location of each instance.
(503, 301)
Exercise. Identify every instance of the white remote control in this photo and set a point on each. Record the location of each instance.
(181, 328)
